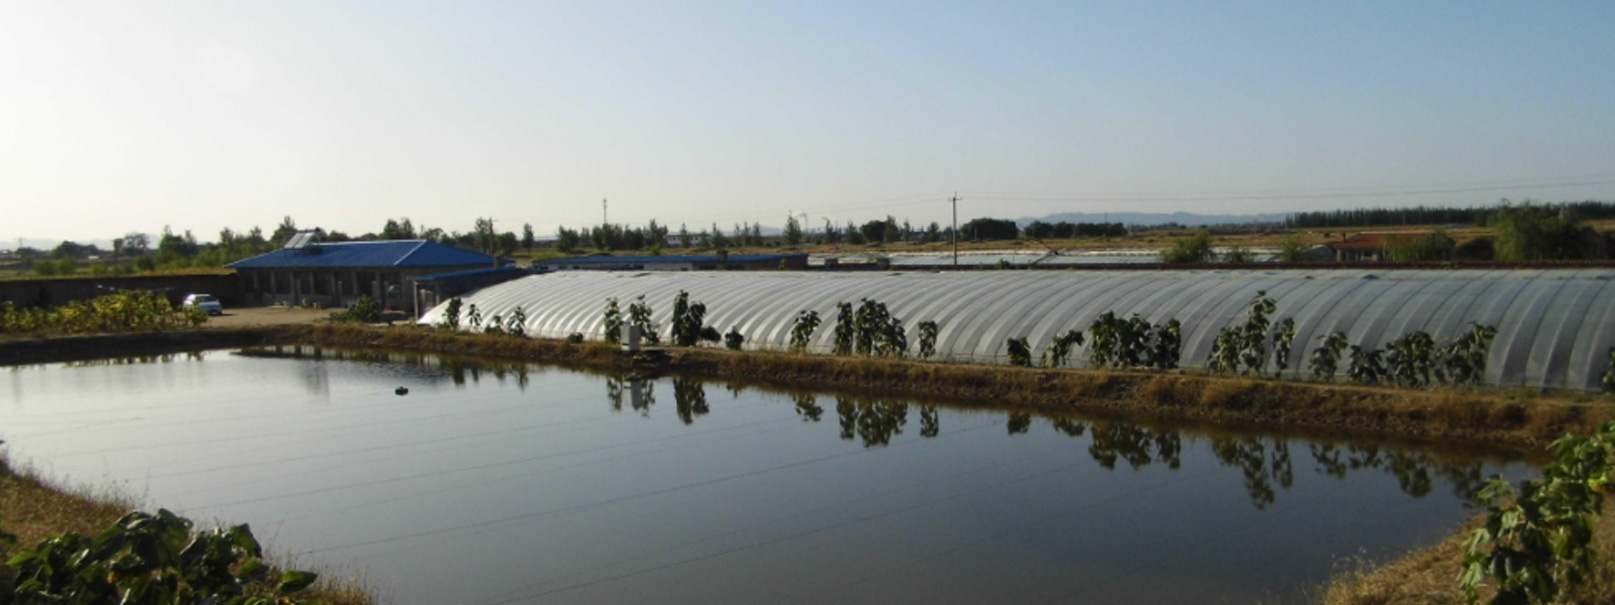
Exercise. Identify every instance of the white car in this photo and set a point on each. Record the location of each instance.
(206, 303)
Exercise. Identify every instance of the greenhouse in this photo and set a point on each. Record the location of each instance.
(1555, 327)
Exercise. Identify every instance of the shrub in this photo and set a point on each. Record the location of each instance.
(574, 338)
(613, 322)
(1326, 358)
(1283, 338)
(473, 318)
(1412, 358)
(1463, 361)
(802, 329)
(1367, 365)
(365, 310)
(451, 315)
(1059, 350)
(1020, 353)
(517, 325)
(1168, 345)
(845, 331)
(1193, 249)
(734, 339)
(687, 320)
(928, 331)
(1609, 373)
(639, 314)
(143, 558)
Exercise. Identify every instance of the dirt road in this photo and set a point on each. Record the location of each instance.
(244, 317)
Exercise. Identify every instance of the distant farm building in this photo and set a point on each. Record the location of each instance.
(1378, 245)
(336, 275)
(707, 262)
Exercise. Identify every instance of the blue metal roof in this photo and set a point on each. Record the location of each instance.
(471, 273)
(642, 260)
(395, 253)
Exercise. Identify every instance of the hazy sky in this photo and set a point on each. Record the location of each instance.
(127, 116)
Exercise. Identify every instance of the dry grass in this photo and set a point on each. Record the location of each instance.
(1430, 576)
(32, 509)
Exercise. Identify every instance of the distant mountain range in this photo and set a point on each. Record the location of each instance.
(1145, 218)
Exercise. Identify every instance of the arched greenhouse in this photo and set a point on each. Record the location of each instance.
(1554, 326)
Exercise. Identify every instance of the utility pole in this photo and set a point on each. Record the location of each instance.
(603, 218)
(955, 229)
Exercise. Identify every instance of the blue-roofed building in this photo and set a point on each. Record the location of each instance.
(337, 274)
(721, 261)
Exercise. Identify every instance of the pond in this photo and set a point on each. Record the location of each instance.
(516, 484)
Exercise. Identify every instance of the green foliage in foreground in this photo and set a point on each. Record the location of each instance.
(1538, 545)
(126, 311)
(144, 558)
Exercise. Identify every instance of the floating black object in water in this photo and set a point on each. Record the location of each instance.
(401, 391)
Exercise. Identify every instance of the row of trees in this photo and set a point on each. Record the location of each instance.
(1435, 215)
(613, 237)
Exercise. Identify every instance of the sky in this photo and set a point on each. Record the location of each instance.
(121, 116)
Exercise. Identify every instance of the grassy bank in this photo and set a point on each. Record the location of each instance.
(32, 509)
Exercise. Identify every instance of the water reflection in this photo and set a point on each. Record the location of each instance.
(873, 421)
(807, 406)
(1265, 463)
(690, 397)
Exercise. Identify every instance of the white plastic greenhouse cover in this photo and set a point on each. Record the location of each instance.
(1555, 326)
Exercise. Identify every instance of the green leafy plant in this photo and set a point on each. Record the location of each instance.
(928, 331)
(451, 315)
(733, 339)
(1224, 357)
(1059, 349)
(496, 325)
(803, 328)
(517, 324)
(473, 318)
(1325, 359)
(1412, 359)
(1609, 373)
(1463, 361)
(1167, 345)
(574, 338)
(1536, 544)
(1020, 352)
(1253, 337)
(639, 314)
(846, 329)
(365, 310)
(1367, 365)
(1283, 338)
(613, 322)
(120, 312)
(144, 558)
(688, 319)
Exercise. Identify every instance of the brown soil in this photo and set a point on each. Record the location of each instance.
(252, 317)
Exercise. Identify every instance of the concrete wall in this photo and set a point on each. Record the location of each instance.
(55, 292)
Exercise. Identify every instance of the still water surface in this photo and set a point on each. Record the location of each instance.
(519, 484)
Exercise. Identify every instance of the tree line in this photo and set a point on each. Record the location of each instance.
(1438, 215)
